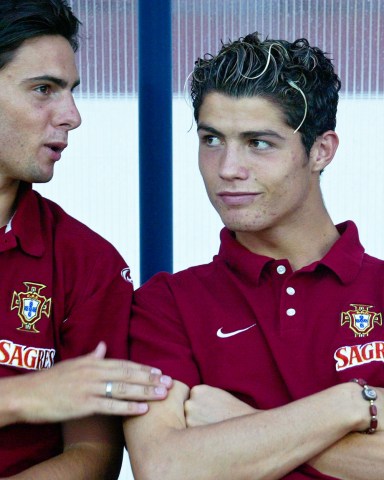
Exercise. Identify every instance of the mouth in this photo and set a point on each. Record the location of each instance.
(56, 147)
(237, 198)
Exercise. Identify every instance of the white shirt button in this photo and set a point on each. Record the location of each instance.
(291, 291)
(291, 312)
(281, 269)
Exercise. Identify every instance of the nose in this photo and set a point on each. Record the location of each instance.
(232, 164)
(67, 115)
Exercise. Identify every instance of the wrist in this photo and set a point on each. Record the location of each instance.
(18, 398)
(369, 395)
(11, 410)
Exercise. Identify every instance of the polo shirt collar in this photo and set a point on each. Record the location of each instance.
(26, 224)
(246, 264)
(344, 258)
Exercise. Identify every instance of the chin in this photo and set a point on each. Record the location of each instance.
(238, 224)
(42, 177)
(246, 227)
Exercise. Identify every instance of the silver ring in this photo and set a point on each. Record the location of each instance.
(108, 389)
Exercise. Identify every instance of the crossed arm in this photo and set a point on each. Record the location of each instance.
(258, 444)
(354, 457)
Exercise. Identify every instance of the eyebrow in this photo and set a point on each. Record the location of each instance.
(50, 78)
(247, 134)
(261, 133)
(207, 128)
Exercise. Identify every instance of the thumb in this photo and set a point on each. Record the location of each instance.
(100, 351)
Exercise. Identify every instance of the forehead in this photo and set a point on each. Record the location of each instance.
(45, 55)
(241, 113)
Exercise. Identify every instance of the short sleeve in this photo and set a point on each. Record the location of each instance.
(101, 312)
(157, 334)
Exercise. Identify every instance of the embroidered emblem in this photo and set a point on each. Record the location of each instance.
(361, 320)
(31, 305)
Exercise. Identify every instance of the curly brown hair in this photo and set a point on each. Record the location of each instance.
(299, 78)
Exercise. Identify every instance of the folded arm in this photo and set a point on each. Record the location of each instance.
(259, 445)
(354, 457)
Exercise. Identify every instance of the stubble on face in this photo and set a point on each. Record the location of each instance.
(30, 107)
(256, 154)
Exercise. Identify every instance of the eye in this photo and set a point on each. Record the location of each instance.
(212, 141)
(259, 144)
(43, 89)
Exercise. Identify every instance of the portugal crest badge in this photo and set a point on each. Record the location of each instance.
(31, 305)
(361, 320)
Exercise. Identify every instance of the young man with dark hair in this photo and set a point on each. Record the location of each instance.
(65, 291)
(287, 313)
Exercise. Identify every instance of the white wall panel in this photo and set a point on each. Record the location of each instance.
(96, 179)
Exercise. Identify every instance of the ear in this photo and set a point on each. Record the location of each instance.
(323, 150)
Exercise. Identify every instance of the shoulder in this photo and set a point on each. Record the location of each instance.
(165, 291)
(69, 231)
(189, 276)
(373, 262)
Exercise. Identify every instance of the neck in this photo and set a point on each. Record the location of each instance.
(8, 194)
(301, 244)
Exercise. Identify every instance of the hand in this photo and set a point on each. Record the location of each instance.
(76, 388)
(357, 455)
(207, 405)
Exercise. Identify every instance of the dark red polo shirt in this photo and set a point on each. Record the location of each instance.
(248, 324)
(63, 288)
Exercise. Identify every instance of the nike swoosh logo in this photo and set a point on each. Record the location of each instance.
(221, 334)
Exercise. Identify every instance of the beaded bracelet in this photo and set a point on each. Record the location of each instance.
(370, 395)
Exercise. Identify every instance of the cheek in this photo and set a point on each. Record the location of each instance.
(208, 180)
(9, 136)
(286, 188)
(207, 171)
(201, 168)
(201, 162)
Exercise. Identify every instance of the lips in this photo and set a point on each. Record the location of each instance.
(56, 146)
(55, 149)
(237, 198)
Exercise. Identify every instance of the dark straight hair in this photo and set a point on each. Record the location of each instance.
(21, 20)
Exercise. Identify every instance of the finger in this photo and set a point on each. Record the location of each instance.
(187, 408)
(113, 363)
(127, 391)
(112, 406)
(128, 372)
(141, 366)
(100, 350)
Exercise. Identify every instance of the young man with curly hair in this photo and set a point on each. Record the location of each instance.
(264, 341)
(65, 292)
